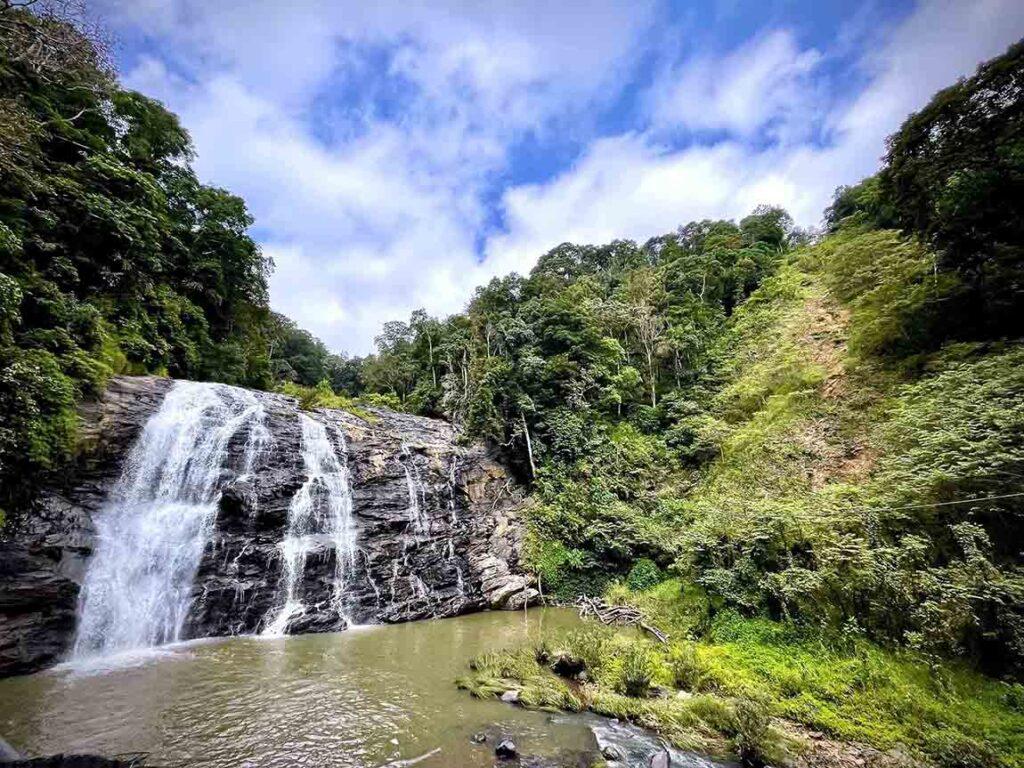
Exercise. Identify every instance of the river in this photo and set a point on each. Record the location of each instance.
(371, 696)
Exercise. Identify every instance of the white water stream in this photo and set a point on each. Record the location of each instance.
(320, 516)
(152, 531)
(417, 492)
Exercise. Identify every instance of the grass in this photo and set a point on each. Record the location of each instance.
(731, 690)
(322, 396)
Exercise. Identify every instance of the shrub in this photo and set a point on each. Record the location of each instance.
(322, 396)
(889, 283)
(952, 749)
(1014, 697)
(752, 732)
(685, 666)
(644, 574)
(638, 670)
(586, 648)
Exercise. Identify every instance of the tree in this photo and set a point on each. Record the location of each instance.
(955, 176)
(863, 204)
(113, 257)
(767, 224)
(641, 297)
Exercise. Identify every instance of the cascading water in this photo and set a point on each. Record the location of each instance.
(417, 493)
(319, 516)
(152, 530)
(453, 482)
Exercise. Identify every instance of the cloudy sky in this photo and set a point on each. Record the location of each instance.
(397, 154)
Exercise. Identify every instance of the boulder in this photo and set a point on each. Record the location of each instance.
(506, 749)
(612, 753)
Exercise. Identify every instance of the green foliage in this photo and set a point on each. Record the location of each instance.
(38, 400)
(956, 435)
(775, 525)
(955, 176)
(299, 357)
(323, 396)
(1014, 697)
(644, 574)
(113, 257)
(638, 670)
(753, 735)
(955, 750)
(687, 673)
(861, 206)
(746, 672)
(814, 447)
(895, 295)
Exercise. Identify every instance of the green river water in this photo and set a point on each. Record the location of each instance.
(371, 696)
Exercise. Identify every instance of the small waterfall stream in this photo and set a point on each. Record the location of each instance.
(417, 493)
(319, 518)
(152, 531)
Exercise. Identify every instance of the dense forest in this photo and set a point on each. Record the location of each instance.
(822, 427)
(826, 428)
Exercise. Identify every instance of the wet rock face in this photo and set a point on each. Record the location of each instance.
(437, 529)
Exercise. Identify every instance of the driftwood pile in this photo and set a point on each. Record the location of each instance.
(616, 614)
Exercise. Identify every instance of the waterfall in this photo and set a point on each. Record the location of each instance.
(153, 528)
(417, 493)
(453, 482)
(319, 516)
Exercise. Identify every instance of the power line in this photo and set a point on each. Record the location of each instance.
(942, 503)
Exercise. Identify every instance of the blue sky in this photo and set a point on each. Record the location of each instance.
(397, 154)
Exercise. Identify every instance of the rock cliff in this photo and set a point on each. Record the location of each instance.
(436, 528)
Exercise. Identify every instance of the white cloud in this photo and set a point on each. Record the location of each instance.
(631, 186)
(381, 213)
(384, 220)
(765, 83)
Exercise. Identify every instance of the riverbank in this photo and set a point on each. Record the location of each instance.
(764, 691)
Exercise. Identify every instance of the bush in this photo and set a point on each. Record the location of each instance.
(638, 670)
(685, 667)
(586, 649)
(378, 400)
(752, 732)
(322, 396)
(1014, 697)
(644, 574)
(952, 749)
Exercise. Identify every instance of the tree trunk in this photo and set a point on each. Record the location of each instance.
(529, 446)
(433, 371)
(650, 373)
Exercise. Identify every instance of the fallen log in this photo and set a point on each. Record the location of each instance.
(616, 614)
